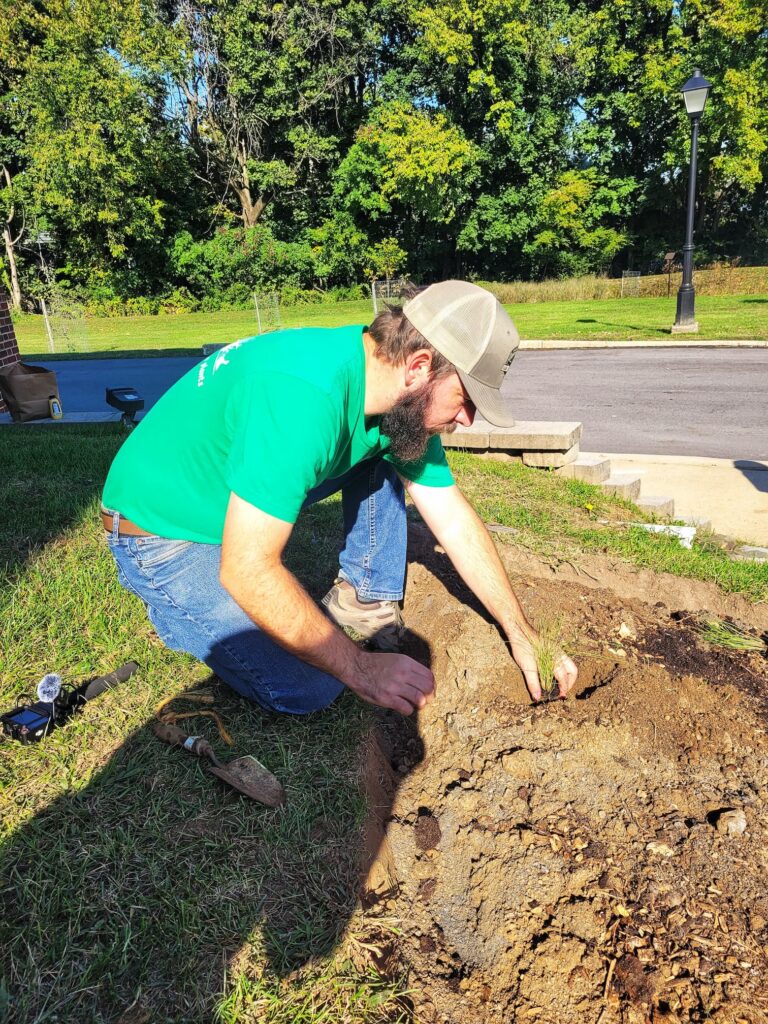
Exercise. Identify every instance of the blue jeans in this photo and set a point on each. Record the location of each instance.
(178, 581)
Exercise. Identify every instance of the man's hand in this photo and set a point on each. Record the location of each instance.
(468, 544)
(566, 674)
(565, 670)
(253, 573)
(393, 681)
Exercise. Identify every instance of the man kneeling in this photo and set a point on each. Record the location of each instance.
(201, 500)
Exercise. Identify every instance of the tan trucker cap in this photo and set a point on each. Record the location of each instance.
(469, 326)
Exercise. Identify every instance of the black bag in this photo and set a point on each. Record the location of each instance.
(26, 390)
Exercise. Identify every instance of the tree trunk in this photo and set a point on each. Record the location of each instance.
(10, 244)
(10, 255)
(250, 209)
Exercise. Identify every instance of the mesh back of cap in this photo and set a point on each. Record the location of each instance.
(457, 318)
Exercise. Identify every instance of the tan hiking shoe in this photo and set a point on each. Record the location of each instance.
(379, 623)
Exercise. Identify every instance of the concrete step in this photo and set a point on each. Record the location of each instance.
(655, 505)
(551, 460)
(623, 485)
(467, 437)
(536, 436)
(590, 469)
(700, 522)
(525, 435)
(750, 553)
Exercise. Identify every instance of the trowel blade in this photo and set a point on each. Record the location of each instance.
(250, 777)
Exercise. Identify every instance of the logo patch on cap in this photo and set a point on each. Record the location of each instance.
(508, 363)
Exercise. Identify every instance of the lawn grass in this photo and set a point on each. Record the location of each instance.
(563, 519)
(130, 878)
(720, 317)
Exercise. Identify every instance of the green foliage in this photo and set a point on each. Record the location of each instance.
(385, 259)
(220, 148)
(405, 159)
(268, 93)
(722, 633)
(574, 235)
(86, 152)
(631, 61)
(339, 250)
(237, 261)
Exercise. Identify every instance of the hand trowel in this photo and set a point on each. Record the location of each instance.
(245, 774)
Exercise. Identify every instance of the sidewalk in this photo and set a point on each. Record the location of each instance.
(732, 494)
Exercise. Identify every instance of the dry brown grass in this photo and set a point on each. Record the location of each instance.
(720, 279)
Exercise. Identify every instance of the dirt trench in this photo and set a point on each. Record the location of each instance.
(582, 860)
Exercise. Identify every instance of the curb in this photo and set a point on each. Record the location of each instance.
(548, 344)
(72, 417)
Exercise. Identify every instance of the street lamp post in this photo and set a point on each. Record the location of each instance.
(695, 92)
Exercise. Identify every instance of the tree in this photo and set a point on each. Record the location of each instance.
(267, 92)
(574, 234)
(87, 152)
(631, 61)
(410, 172)
(339, 250)
(385, 259)
(501, 68)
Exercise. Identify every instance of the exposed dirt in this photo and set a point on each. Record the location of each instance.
(572, 861)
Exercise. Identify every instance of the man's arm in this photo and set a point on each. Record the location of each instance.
(252, 571)
(459, 529)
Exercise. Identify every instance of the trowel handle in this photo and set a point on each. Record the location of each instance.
(196, 745)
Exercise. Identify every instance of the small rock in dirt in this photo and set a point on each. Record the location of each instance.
(426, 889)
(731, 823)
(626, 632)
(631, 980)
(428, 832)
(661, 849)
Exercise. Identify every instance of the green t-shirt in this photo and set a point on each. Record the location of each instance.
(269, 418)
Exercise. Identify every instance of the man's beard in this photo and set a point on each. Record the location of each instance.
(404, 424)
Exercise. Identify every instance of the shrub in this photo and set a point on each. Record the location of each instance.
(180, 300)
(350, 293)
(235, 262)
(290, 296)
(141, 305)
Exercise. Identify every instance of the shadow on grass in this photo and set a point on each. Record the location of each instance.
(52, 476)
(154, 884)
(148, 892)
(628, 327)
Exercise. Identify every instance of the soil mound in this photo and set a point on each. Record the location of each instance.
(601, 859)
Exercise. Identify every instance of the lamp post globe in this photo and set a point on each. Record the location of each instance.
(695, 93)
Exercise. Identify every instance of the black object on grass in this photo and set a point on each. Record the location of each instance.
(32, 722)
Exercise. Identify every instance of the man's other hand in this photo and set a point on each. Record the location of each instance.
(566, 674)
(565, 671)
(393, 681)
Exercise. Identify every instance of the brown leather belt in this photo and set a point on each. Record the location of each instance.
(125, 527)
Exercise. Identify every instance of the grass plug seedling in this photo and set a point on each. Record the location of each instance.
(547, 649)
(721, 633)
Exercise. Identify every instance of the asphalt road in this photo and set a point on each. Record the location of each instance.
(674, 401)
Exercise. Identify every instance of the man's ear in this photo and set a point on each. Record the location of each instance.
(418, 367)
